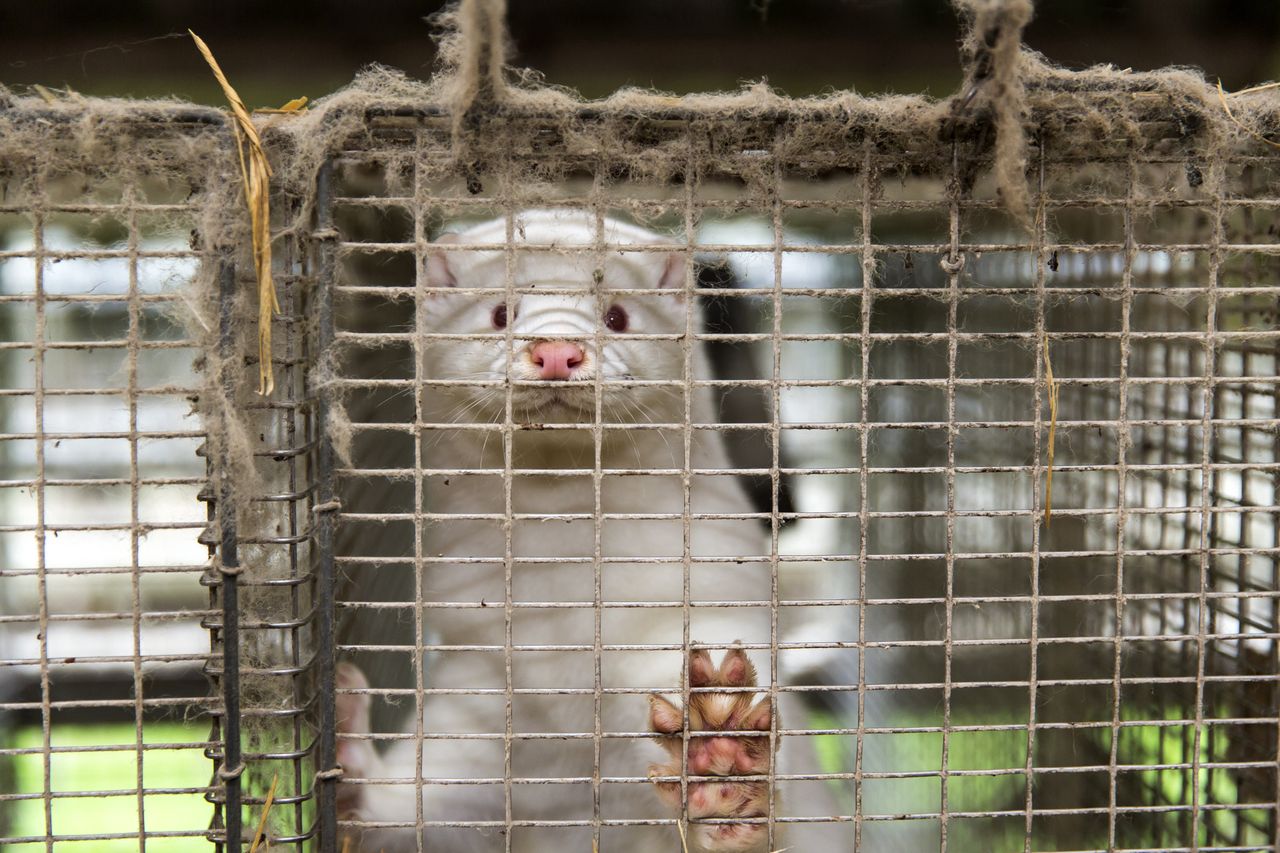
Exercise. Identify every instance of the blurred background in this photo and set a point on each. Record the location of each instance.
(277, 51)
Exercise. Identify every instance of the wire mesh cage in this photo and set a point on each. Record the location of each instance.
(102, 700)
(740, 474)
(1087, 675)
(115, 622)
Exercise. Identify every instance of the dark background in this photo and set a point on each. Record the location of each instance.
(275, 51)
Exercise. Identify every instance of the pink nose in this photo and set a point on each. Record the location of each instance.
(556, 359)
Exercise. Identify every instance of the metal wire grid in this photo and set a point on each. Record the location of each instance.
(1241, 616)
(1135, 672)
(101, 617)
(99, 606)
(267, 728)
(1227, 563)
(1204, 619)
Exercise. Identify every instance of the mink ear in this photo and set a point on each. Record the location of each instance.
(438, 272)
(672, 277)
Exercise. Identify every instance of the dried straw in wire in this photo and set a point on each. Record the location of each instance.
(256, 173)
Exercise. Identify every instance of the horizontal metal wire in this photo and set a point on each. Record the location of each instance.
(86, 253)
(140, 299)
(433, 781)
(99, 616)
(782, 516)
(914, 556)
(178, 343)
(395, 293)
(844, 818)
(859, 248)
(871, 730)
(784, 645)
(895, 687)
(403, 473)
(828, 206)
(184, 391)
(811, 426)
(71, 795)
(17, 572)
(72, 837)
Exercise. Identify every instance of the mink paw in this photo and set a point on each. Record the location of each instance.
(711, 755)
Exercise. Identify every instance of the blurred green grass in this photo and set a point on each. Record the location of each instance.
(104, 762)
(100, 763)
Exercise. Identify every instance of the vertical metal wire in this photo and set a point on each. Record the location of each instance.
(1209, 373)
(597, 513)
(1122, 517)
(232, 769)
(326, 507)
(214, 752)
(692, 180)
(42, 581)
(1041, 347)
(297, 519)
(421, 302)
(1274, 609)
(952, 265)
(775, 444)
(135, 520)
(508, 533)
(868, 259)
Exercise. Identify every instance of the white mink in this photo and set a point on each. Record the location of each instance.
(574, 344)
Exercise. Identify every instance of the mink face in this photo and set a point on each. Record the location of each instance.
(553, 319)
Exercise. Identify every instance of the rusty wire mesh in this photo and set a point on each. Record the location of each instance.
(115, 673)
(1107, 679)
(103, 715)
(881, 335)
(1103, 679)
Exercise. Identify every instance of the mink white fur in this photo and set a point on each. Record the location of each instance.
(556, 277)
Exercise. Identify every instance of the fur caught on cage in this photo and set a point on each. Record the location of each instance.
(1153, 325)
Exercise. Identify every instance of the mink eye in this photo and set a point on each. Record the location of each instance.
(615, 319)
(500, 316)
